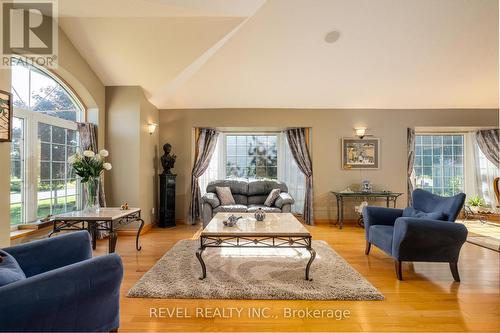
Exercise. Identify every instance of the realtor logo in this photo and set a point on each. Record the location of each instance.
(29, 29)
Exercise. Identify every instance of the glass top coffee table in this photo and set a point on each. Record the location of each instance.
(278, 230)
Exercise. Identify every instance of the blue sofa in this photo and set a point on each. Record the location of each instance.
(424, 232)
(65, 289)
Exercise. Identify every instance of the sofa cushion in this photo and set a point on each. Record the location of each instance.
(271, 198)
(231, 208)
(238, 186)
(10, 271)
(381, 236)
(257, 199)
(240, 199)
(412, 212)
(225, 196)
(264, 187)
(254, 208)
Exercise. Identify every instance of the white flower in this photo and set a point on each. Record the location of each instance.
(73, 158)
(104, 153)
(107, 166)
(88, 153)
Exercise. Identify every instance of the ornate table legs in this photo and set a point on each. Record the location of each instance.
(93, 230)
(137, 247)
(113, 236)
(306, 244)
(340, 212)
(199, 252)
(313, 255)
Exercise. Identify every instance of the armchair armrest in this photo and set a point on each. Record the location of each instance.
(212, 199)
(373, 215)
(427, 240)
(284, 199)
(79, 297)
(47, 254)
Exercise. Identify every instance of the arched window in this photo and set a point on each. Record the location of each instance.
(44, 136)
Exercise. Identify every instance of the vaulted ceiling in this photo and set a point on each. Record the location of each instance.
(273, 54)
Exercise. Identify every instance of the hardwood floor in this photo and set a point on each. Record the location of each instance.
(428, 300)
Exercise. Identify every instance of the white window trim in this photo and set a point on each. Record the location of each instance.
(222, 153)
(32, 157)
(465, 152)
(31, 154)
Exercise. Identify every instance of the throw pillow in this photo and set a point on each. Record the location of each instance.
(271, 198)
(10, 271)
(225, 196)
(412, 212)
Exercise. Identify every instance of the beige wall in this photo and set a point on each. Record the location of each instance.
(148, 168)
(76, 72)
(133, 152)
(328, 127)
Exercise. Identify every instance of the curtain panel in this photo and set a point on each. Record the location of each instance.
(410, 144)
(298, 142)
(290, 174)
(87, 133)
(489, 141)
(205, 147)
(485, 173)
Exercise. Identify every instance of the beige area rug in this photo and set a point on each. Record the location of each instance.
(483, 234)
(253, 273)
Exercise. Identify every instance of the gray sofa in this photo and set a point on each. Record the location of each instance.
(249, 196)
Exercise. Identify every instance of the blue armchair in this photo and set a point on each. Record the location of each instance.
(424, 232)
(65, 289)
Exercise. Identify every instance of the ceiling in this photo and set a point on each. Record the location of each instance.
(273, 54)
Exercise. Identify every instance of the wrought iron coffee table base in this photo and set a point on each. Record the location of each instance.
(255, 242)
(94, 226)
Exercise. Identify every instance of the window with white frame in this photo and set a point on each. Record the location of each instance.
(251, 156)
(17, 173)
(256, 155)
(44, 136)
(439, 163)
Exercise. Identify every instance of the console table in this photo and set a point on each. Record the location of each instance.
(341, 196)
(106, 219)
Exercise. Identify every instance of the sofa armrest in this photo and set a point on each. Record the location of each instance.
(47, 254)
(429, 240)
(212, 199)
(284, 199)
(80, 297)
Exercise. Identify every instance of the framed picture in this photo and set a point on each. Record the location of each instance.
(5, 116)
(360, 153)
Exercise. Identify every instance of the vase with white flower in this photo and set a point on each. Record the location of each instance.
(89, 166)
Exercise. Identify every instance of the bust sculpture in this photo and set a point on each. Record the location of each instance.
(168, 159)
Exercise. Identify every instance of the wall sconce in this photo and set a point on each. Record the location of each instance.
(152, 128)
(360, 132)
